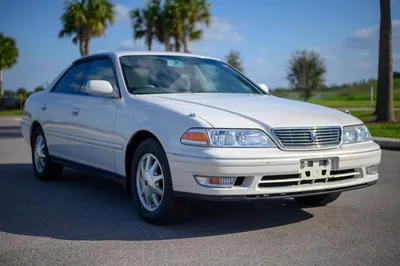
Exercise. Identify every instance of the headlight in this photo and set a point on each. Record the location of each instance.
(227, 138)
(353, 134)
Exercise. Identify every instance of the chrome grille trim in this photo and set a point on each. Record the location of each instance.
(300, 138)
(298, 180)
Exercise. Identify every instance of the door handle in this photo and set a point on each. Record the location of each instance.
(75, 112)
(44, 107)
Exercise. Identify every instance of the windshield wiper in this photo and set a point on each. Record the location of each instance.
(143, 87)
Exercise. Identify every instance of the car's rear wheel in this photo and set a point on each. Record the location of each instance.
(43, 167)
(151, 186)
(318, 200)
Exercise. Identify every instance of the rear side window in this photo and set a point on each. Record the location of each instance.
(72, 81)
(101, 69)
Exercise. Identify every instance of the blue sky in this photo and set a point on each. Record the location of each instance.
(266, 32)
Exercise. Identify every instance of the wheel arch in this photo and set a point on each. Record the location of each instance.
(34, 125)
(135, 140)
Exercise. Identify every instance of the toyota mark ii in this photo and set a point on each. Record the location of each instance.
(178, 126)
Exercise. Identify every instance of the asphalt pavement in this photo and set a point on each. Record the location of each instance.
(82, 219)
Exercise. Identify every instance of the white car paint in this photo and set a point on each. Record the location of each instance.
(96, 131)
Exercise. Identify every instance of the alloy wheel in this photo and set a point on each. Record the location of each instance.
(150, 182)
(39, 153)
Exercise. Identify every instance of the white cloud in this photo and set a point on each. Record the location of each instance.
(199, 48)
(311, 49)
(367, 33)
(330, 57)
(221, 30)
(122, 12)
(365, 64)
(260, 61)
(368, 36)
(140, 45)
(364, 54)
(130, 44)
(263, 52)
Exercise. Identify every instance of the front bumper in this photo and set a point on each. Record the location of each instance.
(276, 163)
(270, 196)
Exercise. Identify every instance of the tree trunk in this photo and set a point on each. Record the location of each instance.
(185, 36)
(149, 38)
(385, 68)
(167, 45)
(177, 46)
(1, 84)
(87, 46)
(82, 47)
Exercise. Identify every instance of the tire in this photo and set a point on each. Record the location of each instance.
(318, 200)
(169, 209)
(50, 170)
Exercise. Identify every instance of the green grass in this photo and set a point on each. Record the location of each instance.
(345, 96)
(387, 130)
(11, 112)
(348, 103)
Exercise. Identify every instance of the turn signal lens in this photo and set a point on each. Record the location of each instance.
(195, 137)
(217, 182)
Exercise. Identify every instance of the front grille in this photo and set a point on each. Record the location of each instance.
(299, 180)
(310, 137)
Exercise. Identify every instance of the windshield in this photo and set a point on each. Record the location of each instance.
(174, 74)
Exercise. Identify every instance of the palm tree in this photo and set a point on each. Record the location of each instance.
(86, 19)
(168, 25)
(177, 20)
(8, 56)
(193, 12)
(384, 106)
(145, 22)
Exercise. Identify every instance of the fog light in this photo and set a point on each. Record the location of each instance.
(372, 170)
(219, 182)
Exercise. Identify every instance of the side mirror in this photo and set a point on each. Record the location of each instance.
(264, 87)
(99, 88)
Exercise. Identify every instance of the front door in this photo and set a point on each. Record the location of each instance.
(94, 118)
(56, 111)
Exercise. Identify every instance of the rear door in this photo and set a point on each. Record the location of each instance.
(94, 121)
(56, 111)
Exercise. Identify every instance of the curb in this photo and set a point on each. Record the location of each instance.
(388, 143)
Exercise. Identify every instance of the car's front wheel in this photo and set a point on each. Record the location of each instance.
(43, 167)
(151, 185)
(318, 200)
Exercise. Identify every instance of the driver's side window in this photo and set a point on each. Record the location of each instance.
(72, 81)
(100, 69)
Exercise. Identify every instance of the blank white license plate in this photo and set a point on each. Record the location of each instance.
(317, 168)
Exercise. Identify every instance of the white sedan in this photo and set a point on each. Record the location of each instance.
(177, 126)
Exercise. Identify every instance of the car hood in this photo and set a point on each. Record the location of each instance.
(252, 111)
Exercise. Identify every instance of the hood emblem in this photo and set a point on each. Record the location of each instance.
(313, 136)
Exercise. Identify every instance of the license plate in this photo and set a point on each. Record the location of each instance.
(316, 168)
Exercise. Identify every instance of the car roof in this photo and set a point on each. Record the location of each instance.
(133, 53)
